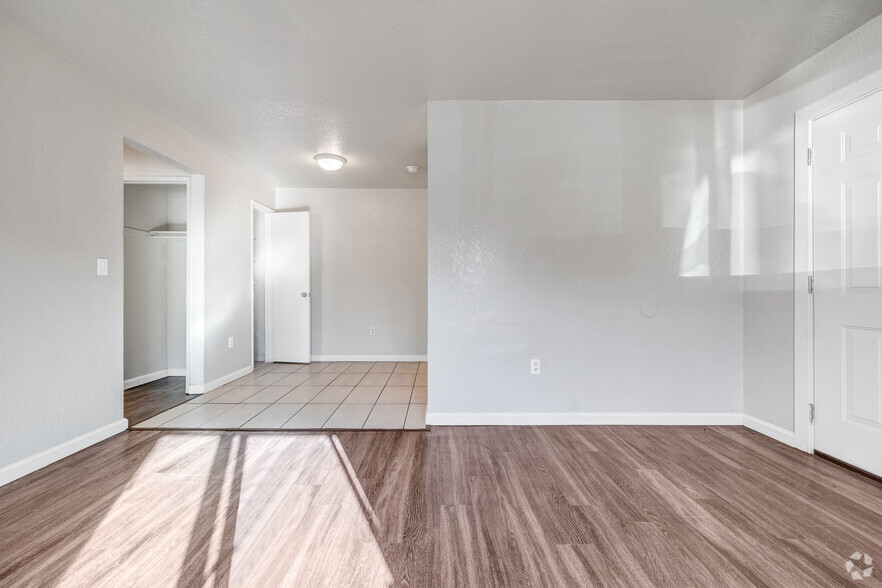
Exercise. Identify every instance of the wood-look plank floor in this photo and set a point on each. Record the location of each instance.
(455, 506)
(148, 400)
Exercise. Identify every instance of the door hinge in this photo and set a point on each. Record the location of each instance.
(811, 284)
(811, 412)
(810, 158)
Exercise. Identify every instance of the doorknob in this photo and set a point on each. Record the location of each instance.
(304, 294)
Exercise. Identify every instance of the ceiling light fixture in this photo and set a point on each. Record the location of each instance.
(412, 169)
(329, 161)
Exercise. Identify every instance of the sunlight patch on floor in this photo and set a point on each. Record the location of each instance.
(241, 509)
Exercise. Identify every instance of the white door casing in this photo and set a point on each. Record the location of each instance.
(288, 268)
(847, 237)
(195, 269)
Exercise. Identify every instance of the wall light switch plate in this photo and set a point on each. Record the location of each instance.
(102, 266)
(534, 366)
(230, 343)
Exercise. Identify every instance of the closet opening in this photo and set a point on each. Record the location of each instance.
(155, 296)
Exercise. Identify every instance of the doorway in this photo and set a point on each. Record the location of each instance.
(155, 295)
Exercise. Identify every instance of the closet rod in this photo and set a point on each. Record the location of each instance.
(161, 234)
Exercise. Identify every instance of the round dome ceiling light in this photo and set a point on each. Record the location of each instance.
(329, 161)
(412, 169)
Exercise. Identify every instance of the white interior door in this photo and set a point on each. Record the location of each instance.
(847, 194)
(287, 252)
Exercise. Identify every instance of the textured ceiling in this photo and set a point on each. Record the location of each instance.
(272, 82)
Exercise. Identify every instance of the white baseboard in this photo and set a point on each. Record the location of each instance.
(583, 418)
(612, 418)
(214, 384)
(145, 379)
(369, 358)
(34, 462)
(769, 430)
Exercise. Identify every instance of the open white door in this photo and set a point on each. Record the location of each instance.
(847, 178)
(287, 252)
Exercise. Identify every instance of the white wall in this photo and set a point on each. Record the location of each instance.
(769, 205)
(595, 236)
(176, 304)
(368, 256)
(61, 207)
(145, 308)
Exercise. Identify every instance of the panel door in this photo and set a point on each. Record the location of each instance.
(847, 198)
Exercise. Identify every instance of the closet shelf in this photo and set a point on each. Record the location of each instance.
(162, 233)
(168, 234)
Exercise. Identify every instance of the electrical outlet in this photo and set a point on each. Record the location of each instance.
(230, 343)
(534, 366)
(373, 331)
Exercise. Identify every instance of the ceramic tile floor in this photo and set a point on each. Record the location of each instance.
(320, 395)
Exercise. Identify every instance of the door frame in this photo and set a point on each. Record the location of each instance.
(257, 207)
(195, 273)
(803, 252)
